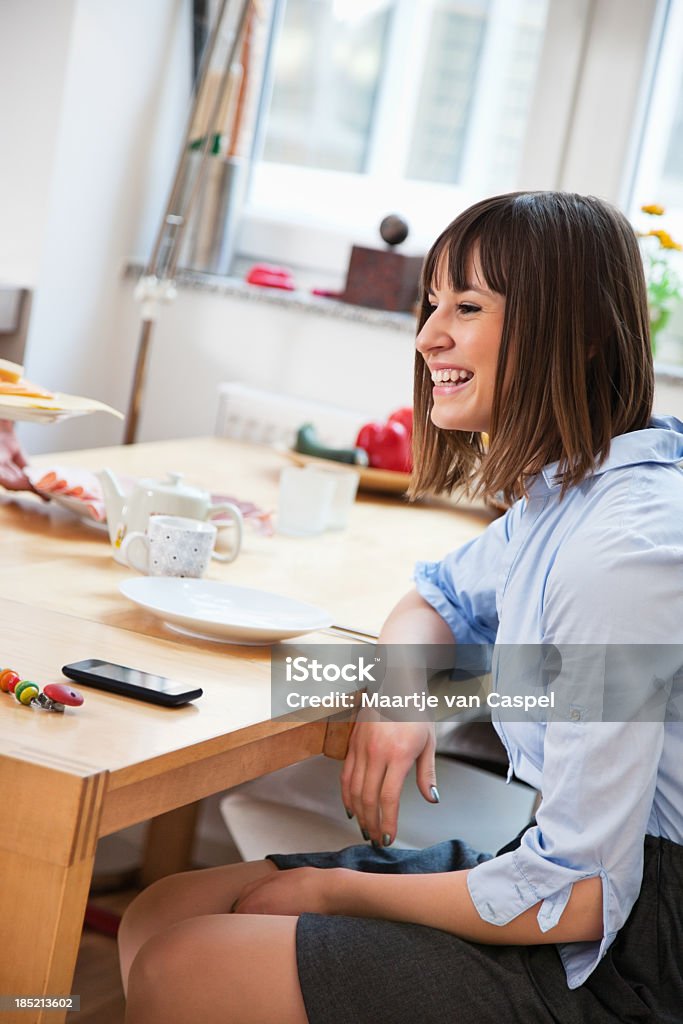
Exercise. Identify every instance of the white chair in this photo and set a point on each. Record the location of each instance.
(246, 413)
(299, 809)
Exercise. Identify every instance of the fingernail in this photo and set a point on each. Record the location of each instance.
(349, 814)
(376, 845)
(435, 794)
(386, 839)
(365, 834)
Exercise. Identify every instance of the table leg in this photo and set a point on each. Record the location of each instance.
(48, 832)
(168, 848)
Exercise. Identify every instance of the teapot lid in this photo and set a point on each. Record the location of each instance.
(172, 485)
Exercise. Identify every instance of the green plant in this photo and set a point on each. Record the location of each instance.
(664, 282)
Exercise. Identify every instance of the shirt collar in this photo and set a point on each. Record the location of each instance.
(661, 441)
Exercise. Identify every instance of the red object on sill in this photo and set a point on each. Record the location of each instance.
(267, 276)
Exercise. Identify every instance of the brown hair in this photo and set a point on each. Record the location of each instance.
(575, 351)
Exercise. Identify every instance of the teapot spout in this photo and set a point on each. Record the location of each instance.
(114, 501)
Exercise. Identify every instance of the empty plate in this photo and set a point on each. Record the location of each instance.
(218, 611)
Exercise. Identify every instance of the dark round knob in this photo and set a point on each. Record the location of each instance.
(393, 229)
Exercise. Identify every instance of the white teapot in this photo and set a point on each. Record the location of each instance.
(127, 513)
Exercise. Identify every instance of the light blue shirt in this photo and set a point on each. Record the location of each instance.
(604, 566)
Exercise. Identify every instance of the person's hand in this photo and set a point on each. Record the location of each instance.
(380, 756)
(290, 893)
(12, 460)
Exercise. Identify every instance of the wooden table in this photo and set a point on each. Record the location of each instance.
(67, 780)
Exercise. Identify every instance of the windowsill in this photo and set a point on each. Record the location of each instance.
(300, 301)
(668, 373)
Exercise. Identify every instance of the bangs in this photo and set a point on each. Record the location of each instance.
(483, 234)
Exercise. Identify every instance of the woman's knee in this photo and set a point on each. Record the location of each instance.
(232, 969)
(157, 976)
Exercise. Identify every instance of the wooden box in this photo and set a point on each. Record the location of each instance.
(382, 279)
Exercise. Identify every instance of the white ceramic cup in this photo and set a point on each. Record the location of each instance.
(304, 502)
(172, 546)
(344, 494)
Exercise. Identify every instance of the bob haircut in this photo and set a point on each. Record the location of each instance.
(575, 363)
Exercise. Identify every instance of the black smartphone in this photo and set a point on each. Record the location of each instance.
(131, 682)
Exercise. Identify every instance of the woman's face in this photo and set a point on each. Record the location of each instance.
(460, 343)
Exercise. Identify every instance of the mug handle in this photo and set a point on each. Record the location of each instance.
(129, 556)
(237, 518)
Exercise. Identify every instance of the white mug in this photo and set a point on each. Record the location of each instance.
(172, 546)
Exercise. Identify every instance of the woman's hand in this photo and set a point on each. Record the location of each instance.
(292, 892)
(380, 755)
(12, 460)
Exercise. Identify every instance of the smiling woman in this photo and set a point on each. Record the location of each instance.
(541, 298)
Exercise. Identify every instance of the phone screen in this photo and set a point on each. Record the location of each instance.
(133, 676)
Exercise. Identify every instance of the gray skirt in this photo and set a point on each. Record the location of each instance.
(356, 969)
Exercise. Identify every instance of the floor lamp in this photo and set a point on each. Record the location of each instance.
(156, 285)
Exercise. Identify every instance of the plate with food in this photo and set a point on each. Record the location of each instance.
(24, 401)
(382, 481)
(76, 490)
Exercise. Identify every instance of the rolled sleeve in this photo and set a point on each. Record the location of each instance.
(591, 823)
(462, 587)
(601, 753)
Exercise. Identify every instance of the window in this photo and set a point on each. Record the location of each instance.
(659, 172)
(382, 104)
(420, 107)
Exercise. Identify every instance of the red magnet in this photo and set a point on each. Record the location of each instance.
(57, 696)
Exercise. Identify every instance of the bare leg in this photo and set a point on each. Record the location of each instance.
(179, 897)
(218, 969)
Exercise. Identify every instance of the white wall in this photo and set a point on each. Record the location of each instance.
(113, 109)
(34, 47)
(204, 339)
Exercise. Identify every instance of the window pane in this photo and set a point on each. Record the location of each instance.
(475, 92)
(445, 95)
(327, 66)
(671, 183)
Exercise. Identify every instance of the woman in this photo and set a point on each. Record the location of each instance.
(533, 329)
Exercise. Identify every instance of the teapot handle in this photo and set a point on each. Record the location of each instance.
(236, 516)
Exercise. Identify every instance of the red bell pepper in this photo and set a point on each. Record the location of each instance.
(387, 445)
(403, 415)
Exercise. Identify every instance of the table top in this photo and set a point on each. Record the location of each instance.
(59, 602)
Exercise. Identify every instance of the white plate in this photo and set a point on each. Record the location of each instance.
(60, 407)
(218, 611)
(26, 414)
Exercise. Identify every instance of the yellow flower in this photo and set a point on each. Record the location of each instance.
(665, 240)
(654, 208)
